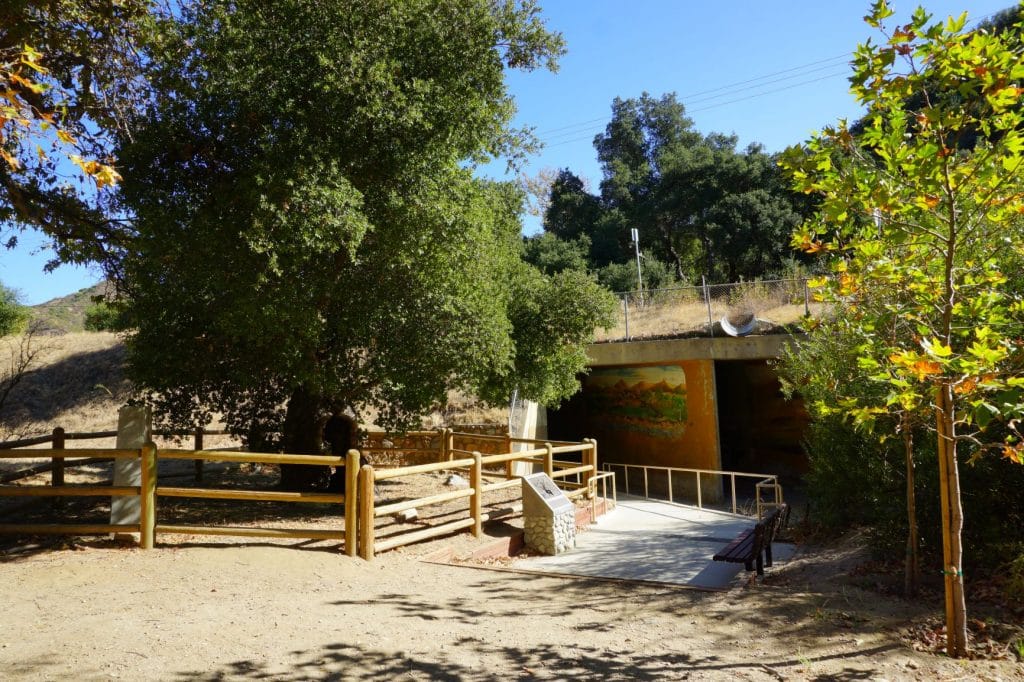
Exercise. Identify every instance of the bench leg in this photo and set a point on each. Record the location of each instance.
(749, 565)
(760, 564)
(768, 555)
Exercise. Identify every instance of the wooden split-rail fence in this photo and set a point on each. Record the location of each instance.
(360, 508)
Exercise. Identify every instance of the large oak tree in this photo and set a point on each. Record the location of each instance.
(311, 235)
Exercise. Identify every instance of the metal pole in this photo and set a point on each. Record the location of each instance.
(707, 301)
(625, 312)
(807, 299)
(639, 275)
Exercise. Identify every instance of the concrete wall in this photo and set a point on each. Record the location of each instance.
(674, 350)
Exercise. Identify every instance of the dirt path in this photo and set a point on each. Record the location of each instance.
(274, 612)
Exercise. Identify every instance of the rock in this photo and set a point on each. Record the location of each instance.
(456, 481)
(406, 515)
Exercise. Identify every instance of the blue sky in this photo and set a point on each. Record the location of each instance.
(769, 72)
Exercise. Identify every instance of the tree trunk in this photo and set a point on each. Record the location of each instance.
(952, 524)
(303, 428)
(912, 567)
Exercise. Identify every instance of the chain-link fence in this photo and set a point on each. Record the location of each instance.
(711, 310)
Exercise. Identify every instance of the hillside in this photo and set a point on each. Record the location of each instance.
(67, 313)
(78, 382)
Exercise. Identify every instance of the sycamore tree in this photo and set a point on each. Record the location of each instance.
(311, 238)
(924, 234)
(70, 73)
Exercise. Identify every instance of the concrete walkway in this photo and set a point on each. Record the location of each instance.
(651, 540)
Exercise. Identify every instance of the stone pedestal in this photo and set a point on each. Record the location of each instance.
(134, 429)
(549, 517)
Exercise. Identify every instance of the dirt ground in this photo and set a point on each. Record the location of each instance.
(212, 610)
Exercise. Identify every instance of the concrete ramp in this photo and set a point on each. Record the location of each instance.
(657, 541)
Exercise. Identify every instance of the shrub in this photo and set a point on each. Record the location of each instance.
(102, 316)
(13, 315)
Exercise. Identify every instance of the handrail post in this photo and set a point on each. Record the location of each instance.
(476, 483)
(549, 460)
(668, 472)
(647, 492)
(700, 504)
(732, 478)
(147, 491)
(351, 502)
(366, 512)
(198, 445)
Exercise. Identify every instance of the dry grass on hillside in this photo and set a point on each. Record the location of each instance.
(78, 383)
(663, 319)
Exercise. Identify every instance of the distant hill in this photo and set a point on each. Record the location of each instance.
(67, 313)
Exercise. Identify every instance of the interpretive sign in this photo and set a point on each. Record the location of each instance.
(549, 517)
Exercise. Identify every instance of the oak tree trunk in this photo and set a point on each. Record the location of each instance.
(302, 435)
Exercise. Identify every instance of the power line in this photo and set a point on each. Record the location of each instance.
(575, 128)
(594, 130)
(583, 130)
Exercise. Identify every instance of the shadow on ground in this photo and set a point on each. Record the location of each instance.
(350, 662)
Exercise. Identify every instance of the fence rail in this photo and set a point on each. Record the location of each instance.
(360, 509)
(557, 470)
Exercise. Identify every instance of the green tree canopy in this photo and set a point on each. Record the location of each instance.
(13, 315)
(699, 203)
(311, 237)
(924, 232)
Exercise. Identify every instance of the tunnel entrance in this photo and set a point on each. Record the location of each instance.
(759, 430)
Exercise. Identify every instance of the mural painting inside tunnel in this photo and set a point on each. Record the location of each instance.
(647, 401)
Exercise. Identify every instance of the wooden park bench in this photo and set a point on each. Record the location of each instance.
(754, 545)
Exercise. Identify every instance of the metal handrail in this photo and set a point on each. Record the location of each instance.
(767, 482)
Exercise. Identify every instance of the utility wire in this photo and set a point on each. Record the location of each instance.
(594, 130)
(829, 63)
(583, 130)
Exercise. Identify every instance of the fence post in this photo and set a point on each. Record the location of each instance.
(589, 459)
(198, 446)
(366, 512)
(549, 460)
(147, 493)
(450, 442)
(807, 299)
(475, 482)
(442, 435)
(351, 501)
(707, 302)
(57, 474)
(625, 312)
(134, 430)
(509, 465)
